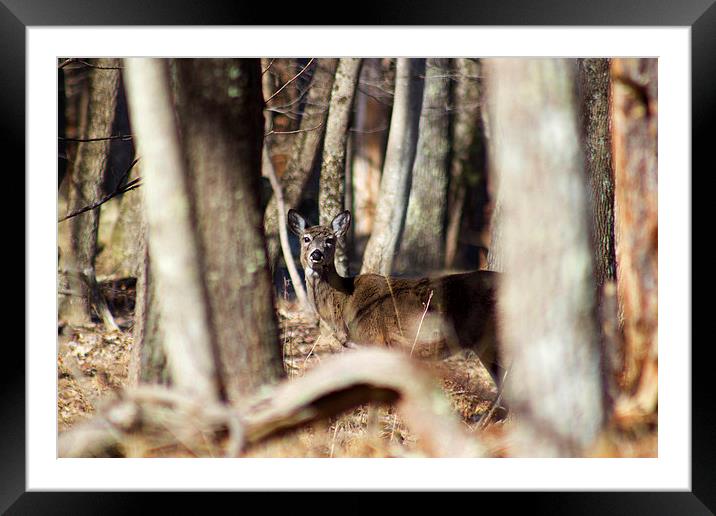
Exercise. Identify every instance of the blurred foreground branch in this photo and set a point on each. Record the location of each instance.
(341, 383)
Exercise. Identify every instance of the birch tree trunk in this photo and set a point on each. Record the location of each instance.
(305, 149)
(173, 243)
(331, 190)
(87, 178)
(635, 94)
(395, 183)
(546, 297)
(220, 113)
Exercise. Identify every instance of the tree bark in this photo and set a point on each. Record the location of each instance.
(87, 178)
(546, 297)
(593, 83)
(635, 94)
(305, 148)
(467, 165)
(148, 361)
(395, 182)
(173, 243)
(423, 243)
(331, 191)
(219, 106)
(368, 140)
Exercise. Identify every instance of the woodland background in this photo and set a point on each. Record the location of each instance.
(183, 330)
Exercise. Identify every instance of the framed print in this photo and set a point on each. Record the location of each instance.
(420, 60)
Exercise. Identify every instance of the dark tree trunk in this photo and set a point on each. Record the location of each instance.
(305, 149)
(593, 82)
(423, 242)
(635, 169)
(467, 165)
(399, 156)
(90, 163)
(331, 192)
(219, 106)
(546, 297)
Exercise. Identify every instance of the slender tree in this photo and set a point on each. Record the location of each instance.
(305, 149)
(372, 116)
(395, 182)
(467, 163)
(593, 83)
(90, 163)
(331, 192)
(546, 298)
(634, 143)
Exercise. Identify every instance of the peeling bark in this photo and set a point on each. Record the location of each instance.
(634, 145)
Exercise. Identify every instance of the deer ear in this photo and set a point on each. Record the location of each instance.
(340, 223)
(296, 223)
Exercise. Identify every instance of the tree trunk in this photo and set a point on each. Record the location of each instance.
(467, 165)
(331, 193)
(594, 94)
(306, 145)
(400, 153)
(593, 83)
(173, 243)
(546, 297)
(122, 256)
(373, 100)
(219, 106)
(423, 243)
(634, 83)
(148, 361)
(87, 178)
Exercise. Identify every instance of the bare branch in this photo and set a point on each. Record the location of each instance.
(135, 183)
(290, 81)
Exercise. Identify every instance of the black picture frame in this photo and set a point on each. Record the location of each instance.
(700, 15)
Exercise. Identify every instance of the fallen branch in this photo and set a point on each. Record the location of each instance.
(340, 383)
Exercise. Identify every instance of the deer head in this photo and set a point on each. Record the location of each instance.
(318, 243)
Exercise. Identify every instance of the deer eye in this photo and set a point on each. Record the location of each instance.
(329, 242)
(306, 239)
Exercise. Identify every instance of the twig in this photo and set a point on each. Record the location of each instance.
(123, 137)
(427, 305)
(85, 63)
(290, 81)
(294, 132)
(486, 418)
(118, 191)
(268, 67)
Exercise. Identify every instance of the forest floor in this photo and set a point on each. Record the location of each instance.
(93, 365)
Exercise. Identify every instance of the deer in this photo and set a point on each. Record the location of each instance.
(427, 317)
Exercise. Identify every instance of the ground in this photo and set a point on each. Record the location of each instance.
(93, 366)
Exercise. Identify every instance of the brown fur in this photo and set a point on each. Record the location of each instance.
(370, 309)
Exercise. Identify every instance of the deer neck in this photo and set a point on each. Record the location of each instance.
(328, 292)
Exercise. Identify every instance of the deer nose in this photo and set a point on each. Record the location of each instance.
(316, 256)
